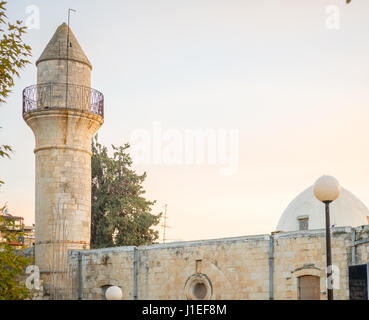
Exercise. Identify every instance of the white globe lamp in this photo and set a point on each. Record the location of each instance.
(326, 189)
(113, 293)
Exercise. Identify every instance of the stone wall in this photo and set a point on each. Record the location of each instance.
(231, 268)
(103, 267)
(304, 253)
(362, 250)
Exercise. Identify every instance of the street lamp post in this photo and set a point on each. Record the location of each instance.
(327, 189)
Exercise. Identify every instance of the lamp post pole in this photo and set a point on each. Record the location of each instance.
(328, 250)
(327, 189)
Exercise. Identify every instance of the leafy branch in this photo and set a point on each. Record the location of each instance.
(14, 52)
(12, 262)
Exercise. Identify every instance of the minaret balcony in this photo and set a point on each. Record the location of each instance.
(46, 96)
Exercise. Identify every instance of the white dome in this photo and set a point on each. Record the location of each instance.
(347, 210)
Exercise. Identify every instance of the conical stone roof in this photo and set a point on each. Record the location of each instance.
(56, 49)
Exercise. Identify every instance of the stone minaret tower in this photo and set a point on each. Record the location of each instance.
(64, 113)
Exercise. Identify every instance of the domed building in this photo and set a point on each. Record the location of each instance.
(305, 212)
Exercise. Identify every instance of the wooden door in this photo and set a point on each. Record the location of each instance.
(309, 288)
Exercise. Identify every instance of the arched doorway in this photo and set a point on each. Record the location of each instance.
(309, 287)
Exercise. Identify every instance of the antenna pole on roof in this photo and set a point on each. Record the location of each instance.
(165, 223)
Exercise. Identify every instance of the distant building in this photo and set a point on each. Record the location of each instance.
(29, 236)
(26, 234)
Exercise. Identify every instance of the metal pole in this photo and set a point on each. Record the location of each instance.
(353, 247)
(67, 71)
(79, 276)
(271, 267)
(165, 223)
(367, 280)
(328, 250)
(135, 273)
(50, 92)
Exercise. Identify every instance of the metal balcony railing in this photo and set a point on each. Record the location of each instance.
(62, 95)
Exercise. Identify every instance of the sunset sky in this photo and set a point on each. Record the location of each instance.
(296, 91)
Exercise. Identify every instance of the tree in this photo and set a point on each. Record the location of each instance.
(120, 214)
(13, 52)
(12, 263)
(14, 55)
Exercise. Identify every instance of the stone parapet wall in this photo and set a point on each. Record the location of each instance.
(232, 268)
(304, 253)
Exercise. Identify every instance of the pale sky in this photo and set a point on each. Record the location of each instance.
(297, 91)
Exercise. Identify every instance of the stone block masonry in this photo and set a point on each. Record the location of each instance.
(231, 268)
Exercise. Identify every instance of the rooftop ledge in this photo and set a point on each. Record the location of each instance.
(224, 241)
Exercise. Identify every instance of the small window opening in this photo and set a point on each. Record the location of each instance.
(199, 290)
(303, 223)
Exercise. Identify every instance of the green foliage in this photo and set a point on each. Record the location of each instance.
(4, 152)
(12, 263)
(13, 56)
(120, 214)
(13, 52)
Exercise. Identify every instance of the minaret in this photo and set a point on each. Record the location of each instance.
(64, 113)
